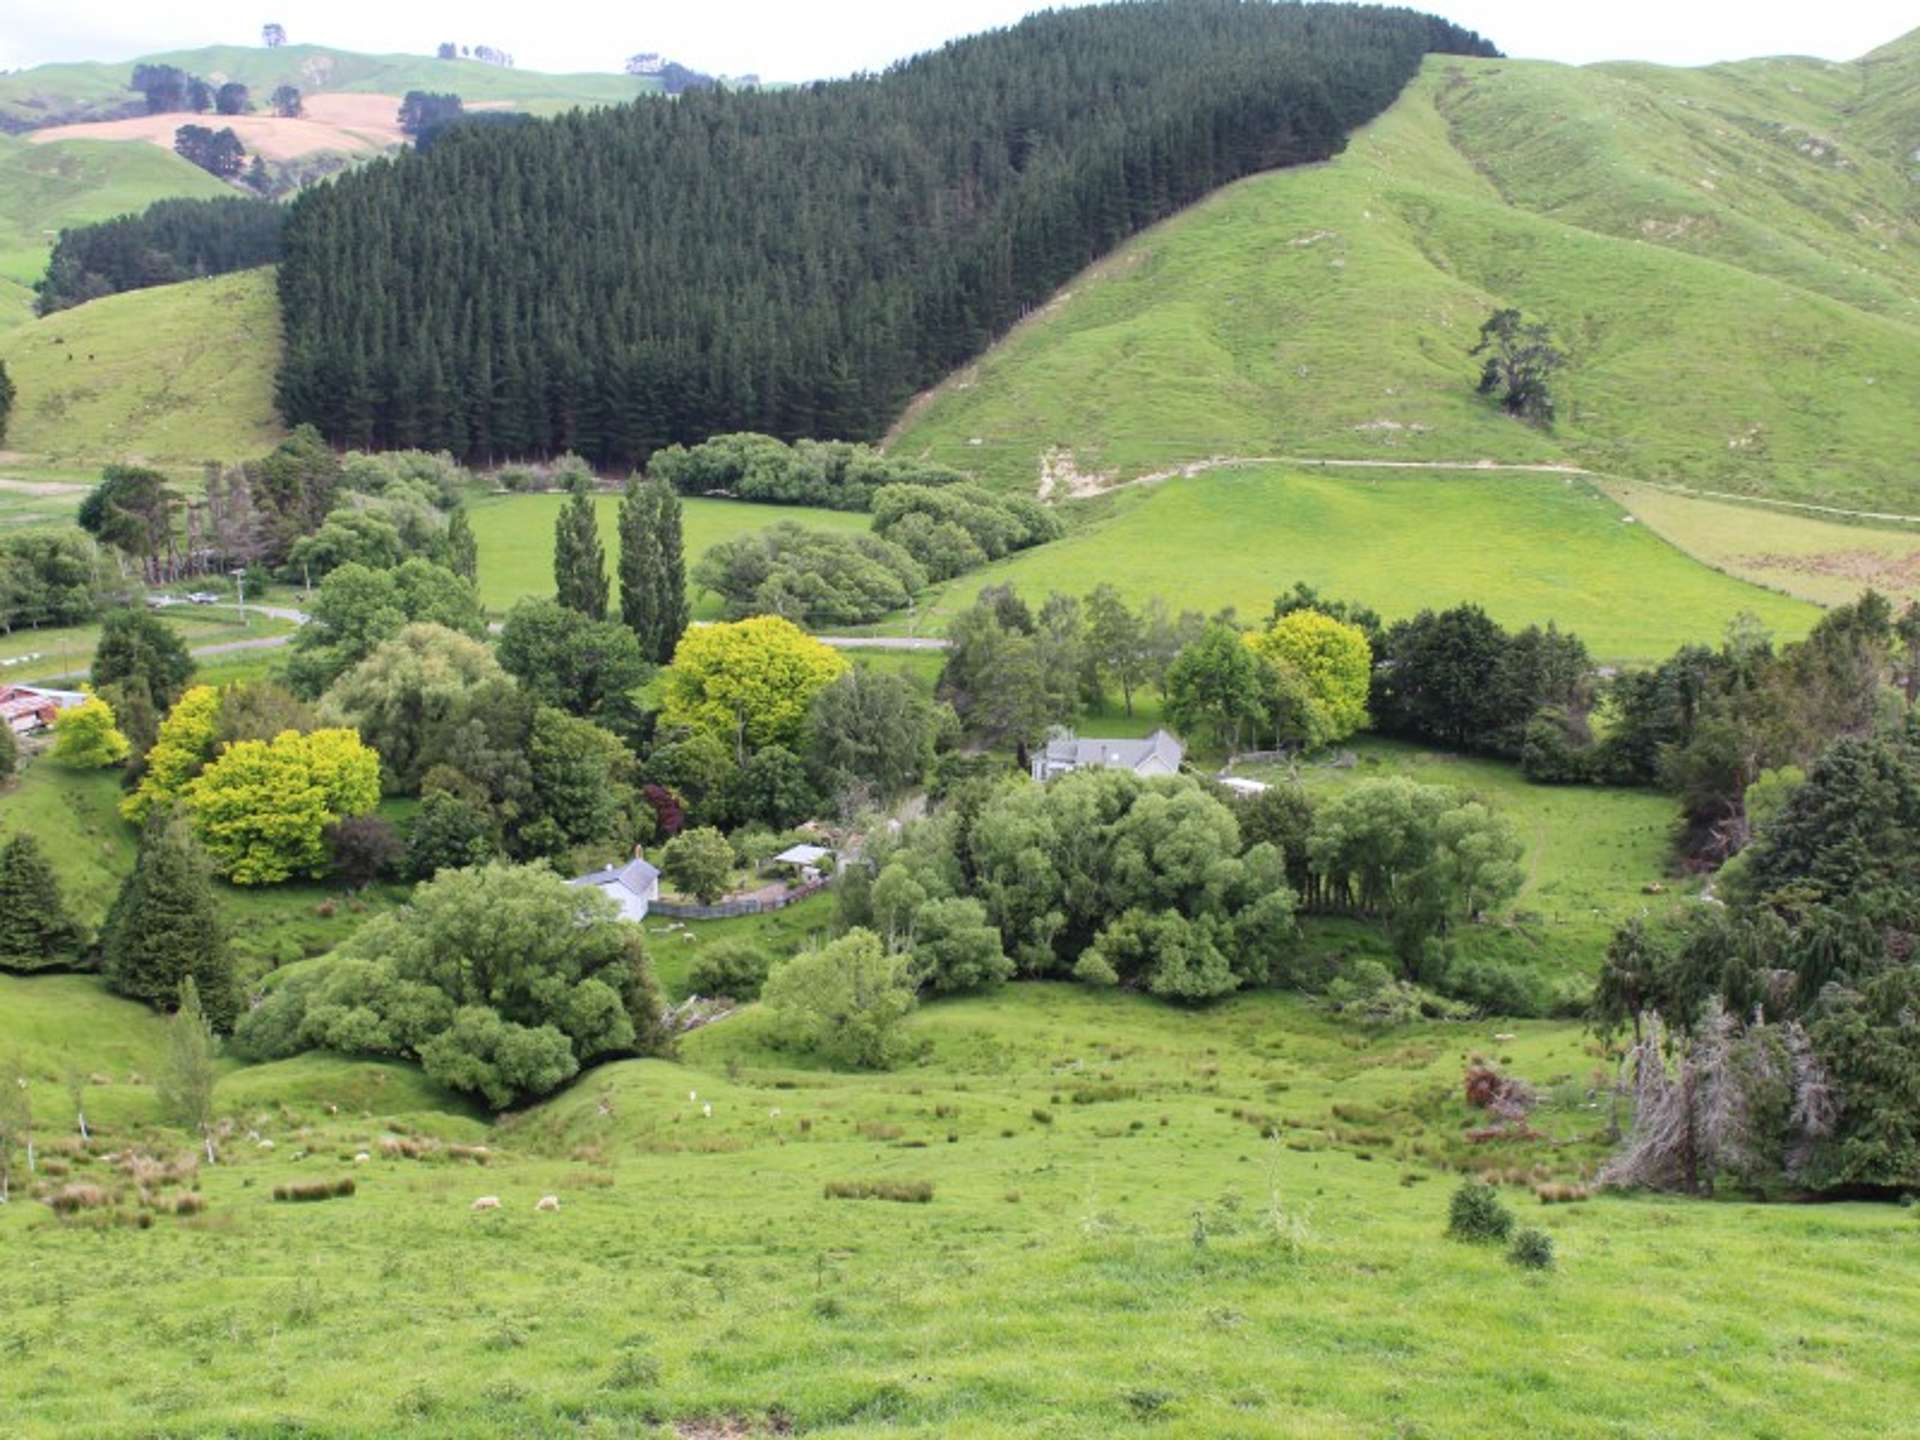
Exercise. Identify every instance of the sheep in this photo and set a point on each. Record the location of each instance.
(707, 1110)
(549, 1204)
(362, 1158)
(266, 1144)
(486, 1202)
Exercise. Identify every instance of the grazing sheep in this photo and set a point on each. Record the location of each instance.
(486, 1202)
(548, 1204)
(266, 1144)
(692, 1095)
(707, 1110)
(362, 1158)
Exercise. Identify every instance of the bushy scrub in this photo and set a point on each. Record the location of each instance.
(501, 981)
(1532, 1250)
(734, 968)
(1476, 1213)
(844, 1001)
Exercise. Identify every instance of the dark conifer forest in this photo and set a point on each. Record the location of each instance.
(794, 262)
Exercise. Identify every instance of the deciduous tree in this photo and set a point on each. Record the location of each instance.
(263, 807)
(844, 1001)
(749, 683)
(86, 738)
(579, 559)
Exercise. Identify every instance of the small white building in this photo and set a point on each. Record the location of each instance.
(1159, 754)
(632, 886)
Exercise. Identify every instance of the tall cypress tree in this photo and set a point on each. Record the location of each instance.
(639, 562)
(653, 568)
(36, 932)
(579, 560)
(164, 926)
(463, 551)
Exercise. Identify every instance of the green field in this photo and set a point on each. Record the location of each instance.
(61, 94)
(1144, 1264)
(515, 535)
(1528, 548)
(1328, 311)
(179, 373)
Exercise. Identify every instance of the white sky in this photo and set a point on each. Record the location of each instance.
(794, 40)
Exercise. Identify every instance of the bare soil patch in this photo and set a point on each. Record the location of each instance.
(351, 123)
(1869, 567)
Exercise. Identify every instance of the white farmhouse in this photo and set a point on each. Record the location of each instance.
(632, 886)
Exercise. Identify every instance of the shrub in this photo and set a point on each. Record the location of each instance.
(699, 863)
(1532, 1250)
(1477, 1214)
(305, 1190)
(72, 1199)
(906, 1192)
(734, 968)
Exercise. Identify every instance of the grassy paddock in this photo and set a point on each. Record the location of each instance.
(1530, 549)
(1146, 1263)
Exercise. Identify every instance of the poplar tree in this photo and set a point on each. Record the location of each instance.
(164, 927)
(653, 568)
(579, 561)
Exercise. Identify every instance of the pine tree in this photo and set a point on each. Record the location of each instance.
(35, 929)
(6, 400)
(9, 752)
(579, 561)
(463, 552)
(164, 927)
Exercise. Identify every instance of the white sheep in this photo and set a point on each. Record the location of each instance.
(362, 1158)
(707, 1110)
(692, 1095)
(266, 1144)
(486, 1202)
(549, 1204)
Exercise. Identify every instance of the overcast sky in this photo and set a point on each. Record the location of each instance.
(792, 40)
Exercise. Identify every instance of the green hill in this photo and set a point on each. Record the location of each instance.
(72, 182)
(179, 373)
(1728, 255)
(63, 94)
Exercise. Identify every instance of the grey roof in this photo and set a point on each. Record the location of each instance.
(1123, 754)
(636, 875)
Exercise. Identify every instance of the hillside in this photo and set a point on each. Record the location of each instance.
(1728, 255)
(178, 373)
(65, 94)
(73, 182)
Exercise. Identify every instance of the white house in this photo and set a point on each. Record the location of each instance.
(632, 886)
(1158, 754)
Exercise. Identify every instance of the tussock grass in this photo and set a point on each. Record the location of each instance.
(304, 1191)
(906, 1192)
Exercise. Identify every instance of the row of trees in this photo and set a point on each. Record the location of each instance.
(169, 88)
(169, 241)
(795, 262)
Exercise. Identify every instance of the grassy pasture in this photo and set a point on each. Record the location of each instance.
(76, 182)
(178, 373)
(515, 536)
(1144, 1263)
(1528, 548)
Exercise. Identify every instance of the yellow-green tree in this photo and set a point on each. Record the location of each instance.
(184, 746)
(1330, 665)
(749, 683)
(262, 808)
(86, 738)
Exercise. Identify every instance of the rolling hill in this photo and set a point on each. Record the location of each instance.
(65, 94)
(179, 373)
(1729, 255)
